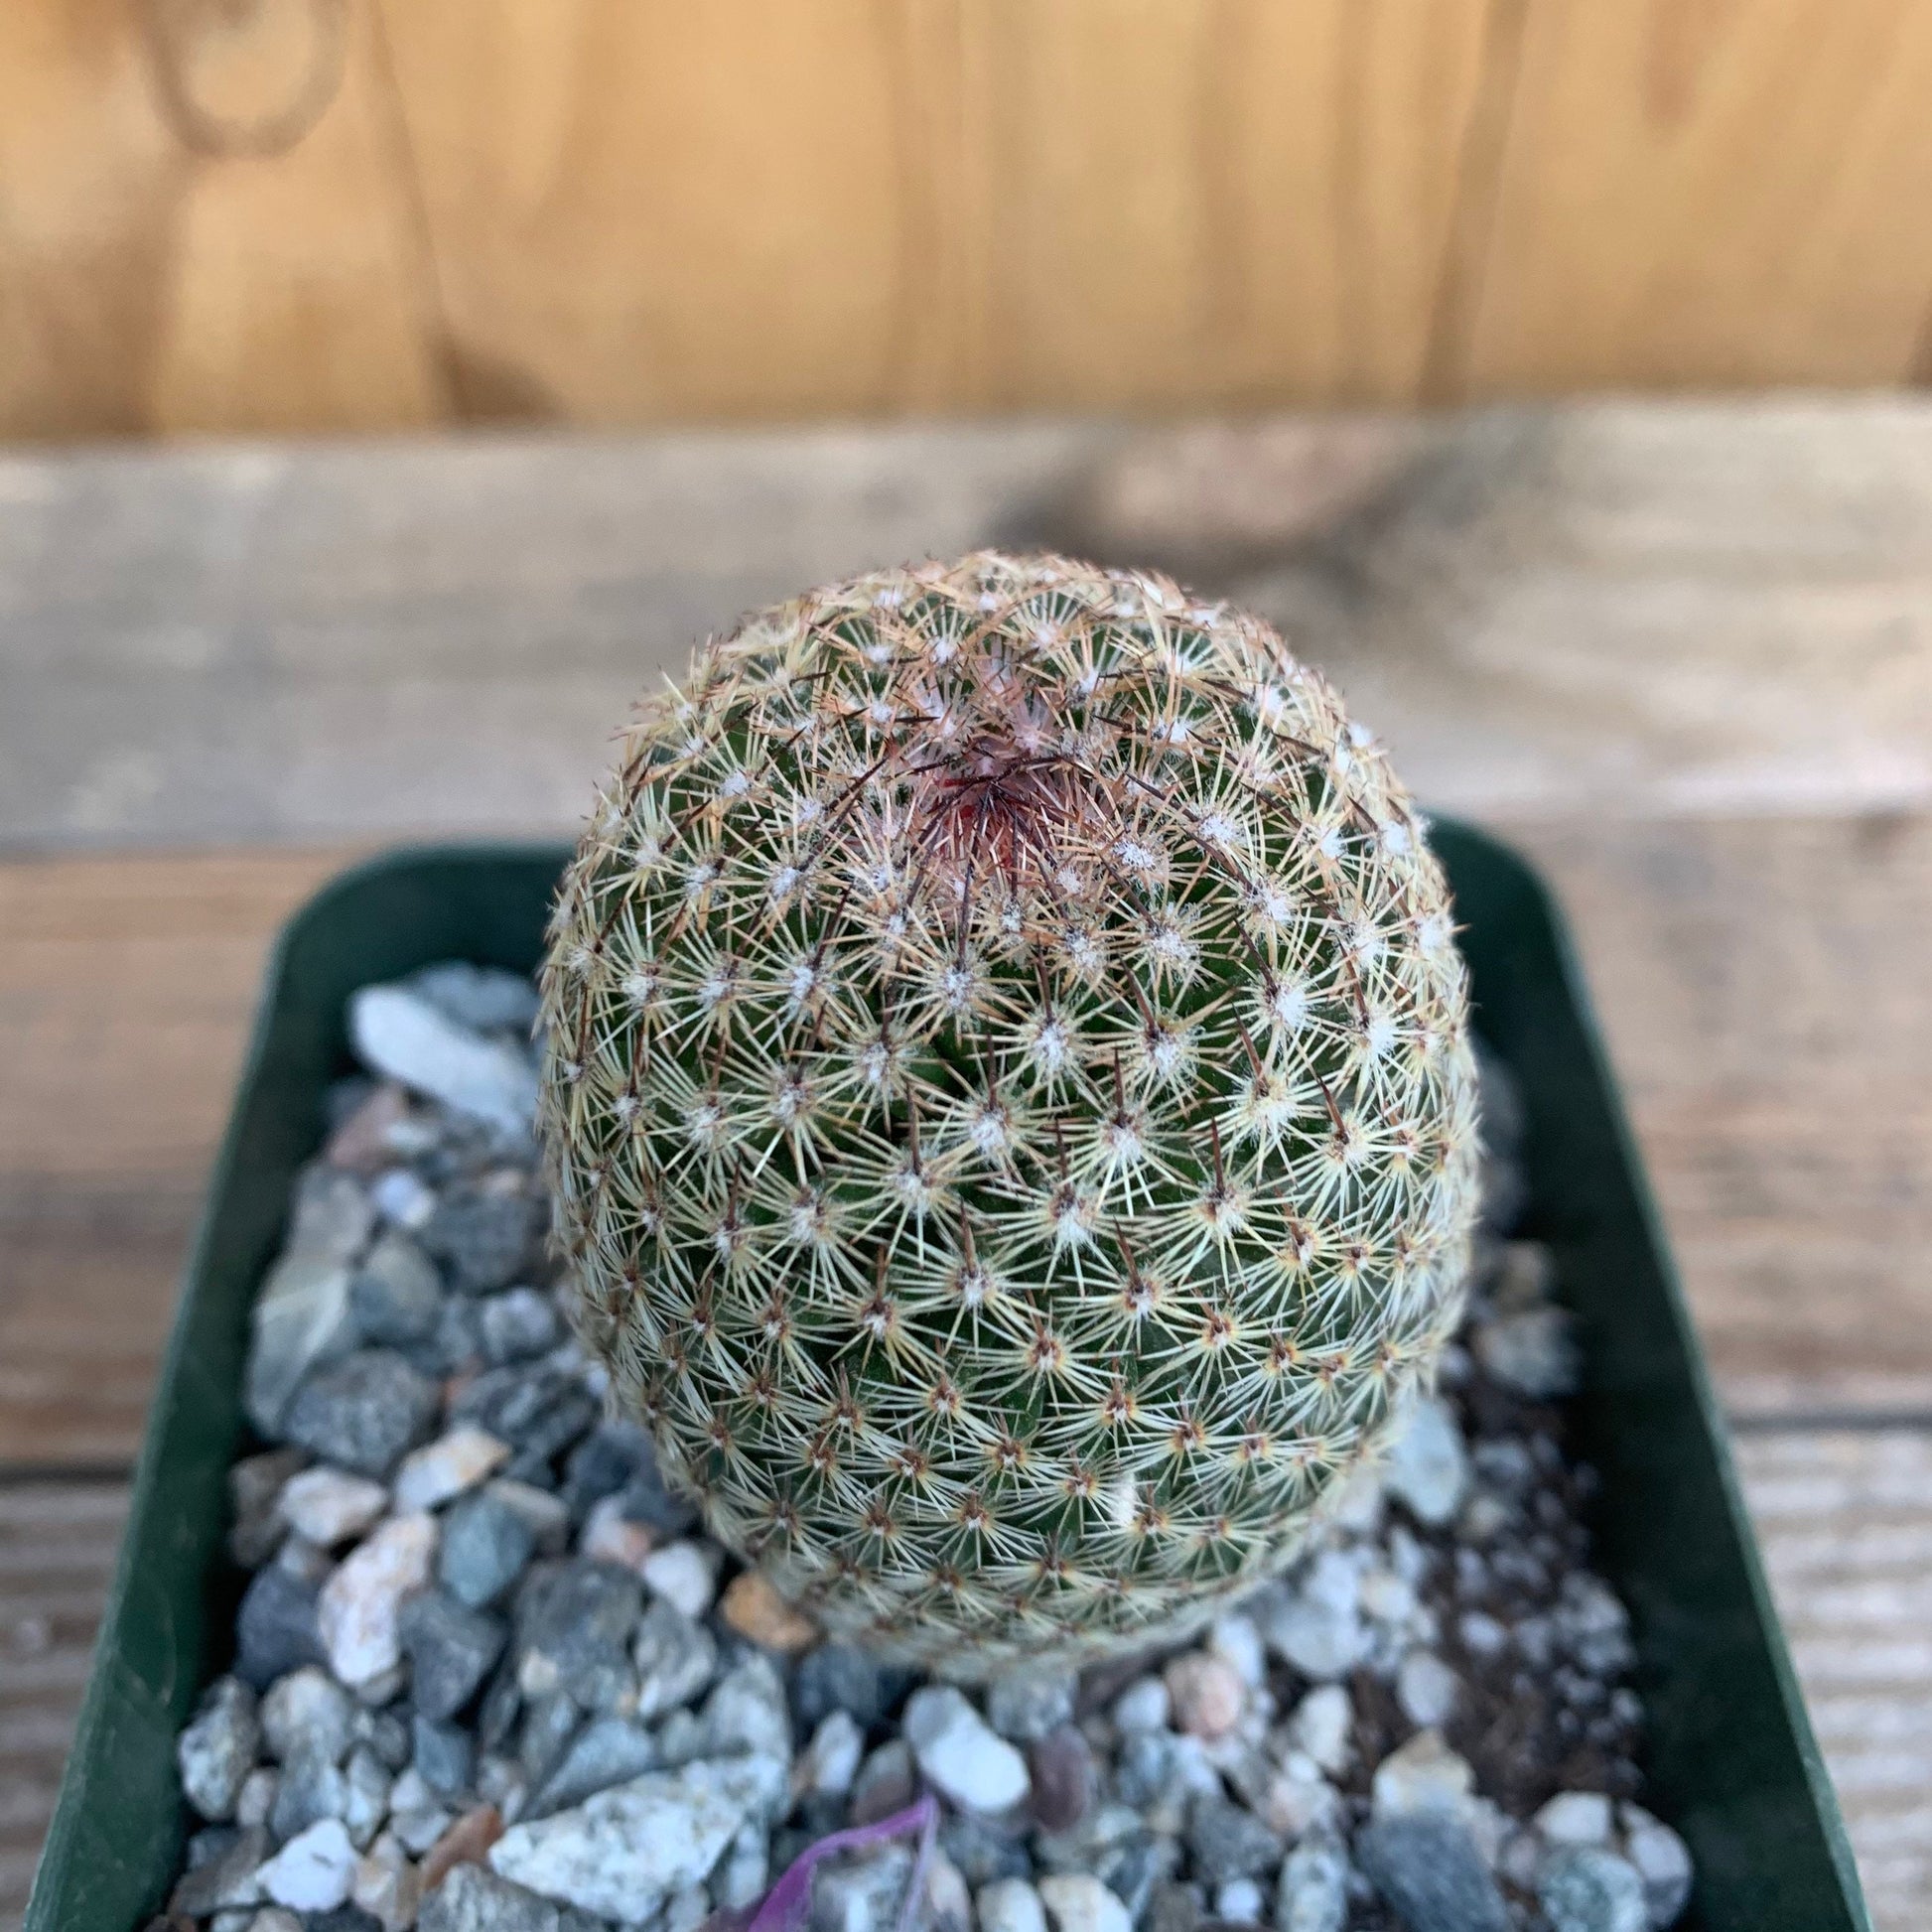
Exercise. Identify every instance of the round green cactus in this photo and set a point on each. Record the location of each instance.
(1008, 1102)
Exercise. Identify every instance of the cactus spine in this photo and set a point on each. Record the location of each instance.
(1008, 1102)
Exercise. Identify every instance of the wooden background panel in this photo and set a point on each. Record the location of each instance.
(1698, 191)
(350, 213)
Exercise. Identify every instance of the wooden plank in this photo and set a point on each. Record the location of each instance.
(1845, 1521)
(1710, 194)
(56, 1556)
(204, 225)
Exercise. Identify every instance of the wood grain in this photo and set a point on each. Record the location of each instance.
(1709, 192)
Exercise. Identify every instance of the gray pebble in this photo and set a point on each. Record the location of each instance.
(217, 1749)
(1312, 1894)
(485, 999)
(839, 1676)
(1584, 1888)
(397, 1295)
(537, 1407)
(481, 1239)
(255, 1485)
(984, 1849)
(364, 1413)
(605, 1751)
(485, 1545)
(886, 1783)
(406, 1038)
(574, 1626)
(445, 1756)
(472, 1898)
(1426, 1866)
(301, 1320)
(1173, 1907)
(311, 1788)
(226, 1879)
(1138, 1866)
(1061, 1768)
(276, 1628)
(1228, 1841)
(675, 1658)
(308, 1711)
(549, 1723)
(367, 1803)
(451, 1649)
(518, 1324)
(1026, 1704)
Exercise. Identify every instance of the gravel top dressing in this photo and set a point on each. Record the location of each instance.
(488, 1674)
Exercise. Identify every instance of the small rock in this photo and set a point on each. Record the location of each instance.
(830, 1761)
(605, 1751)
(481, 1237)
(609, 1536)
(473, 1898)
(686, 1909)
(1426, 1866)
(884, 1784)
(1144, 1705)
(746, 1717)
(399, 1034)
(444, 1756)
(403, 1199)
(1237, 1902)
(1586, 1889)
(1312, 1892)
(549, 1723)
(1025, 1704)
(329, 1507)
(485, 999)
(314, 1870)
(958, 1751)
(446, 1467)
(331, 1219)
(1228, 1841)
(1207, 1693)
(1427, 1465)
(746, 1874)
(485, 1545)
(1321, 1725)
(574, 1630)
(309, 1790)
(1574, 1818)
(546, 1516)
(366, 1798)
(539, 1408)
(1137, 1867)
(1532, 1351)
(277, 1626)
(361, 1142)
(360, 1605)
(227, 1881)
(386, 1884)
(984, 1849)
(1662, 1861)
(862, 1893)
(1317, 1626)
(257, 1797)
(1424, 1775)
(1235, 1640)
(466, 1842)
(451, 1649)
(1427, 1689)
(302, 1319)
(362, 1413)
(307, 1712)
(1076, 1901)
(684, 1575)
(623, 1852)
(255, 1486)
(752, 1608)
(217, 1749)
(518, 1324)
(675, 1659)
(948, 1902)
(1172, 1908)
(839, 1676)
(416, 1814)
(1060, 1766)
(1010, 1905)
(397, 1295)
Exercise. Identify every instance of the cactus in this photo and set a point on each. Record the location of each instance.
(1009, 1103)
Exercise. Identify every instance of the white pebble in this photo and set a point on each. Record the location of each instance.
(1663, 1863)
(314, 1870)
(1427, 1689)
(402, 1200)
(1010, 1905)
(327, 1506)
(1321, 1726)
(1428, 1467)
(398, 1034)
(831, 1759)
(683, 1575)
(961, 1753)
(1143, 1706)
(1238, 1901)
(1575, 1818)
(446, 1467)
(360, 1603)
(1424, 1775)
(1076, 1901)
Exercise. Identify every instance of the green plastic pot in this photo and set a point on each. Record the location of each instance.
(1731, 1762)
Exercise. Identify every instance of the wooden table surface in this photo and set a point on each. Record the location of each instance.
(1682, 654)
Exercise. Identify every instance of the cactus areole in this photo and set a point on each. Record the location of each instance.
(1009, 1103)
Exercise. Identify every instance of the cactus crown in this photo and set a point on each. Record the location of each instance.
(1009, 1101)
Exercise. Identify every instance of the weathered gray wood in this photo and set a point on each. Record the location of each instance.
(1601, 608)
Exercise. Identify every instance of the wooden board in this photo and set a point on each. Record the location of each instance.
(346, 213)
